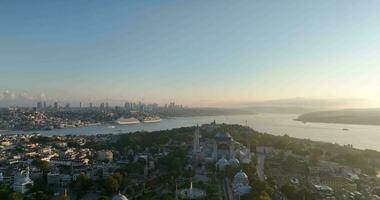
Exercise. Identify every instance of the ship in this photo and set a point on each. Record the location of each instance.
(127, 121)
(152, 119)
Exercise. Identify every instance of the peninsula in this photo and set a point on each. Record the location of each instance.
(347, 116)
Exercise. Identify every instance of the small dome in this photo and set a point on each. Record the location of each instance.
(234, 162)
(119, 197)
(222, 163)
(243, 190)
(223, 136)
(241, 178)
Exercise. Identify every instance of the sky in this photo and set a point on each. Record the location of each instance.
(197, 52)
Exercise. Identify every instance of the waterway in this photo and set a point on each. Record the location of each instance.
(360, 136)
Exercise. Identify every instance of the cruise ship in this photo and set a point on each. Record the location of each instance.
(126, 121)
(151, 119)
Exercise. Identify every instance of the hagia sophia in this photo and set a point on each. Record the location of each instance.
(224, 151)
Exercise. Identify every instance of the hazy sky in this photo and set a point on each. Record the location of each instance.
(193, 52)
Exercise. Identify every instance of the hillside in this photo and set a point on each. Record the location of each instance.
(348, 116)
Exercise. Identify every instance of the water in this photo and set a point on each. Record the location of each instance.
(360, 136)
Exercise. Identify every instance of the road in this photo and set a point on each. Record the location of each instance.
(260, 166)
(228, 189)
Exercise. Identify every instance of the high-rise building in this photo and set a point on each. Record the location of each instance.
(56, 105)
(90, 105)
(39, 105)
(127, 106)
(45, 105)
(141, 106)
(80, 104)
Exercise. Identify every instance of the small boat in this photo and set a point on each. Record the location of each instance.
(111, 127)
(345, 129)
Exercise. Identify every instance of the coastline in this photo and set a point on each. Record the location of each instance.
(336, 122)
(360, 136)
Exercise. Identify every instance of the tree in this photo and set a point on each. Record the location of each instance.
(111, 185)
(264, 196)
(119, 177)
(40, 196)
(4, 192)
(15, 196)
(260, 190)
(81, 185)
(290, 191)
(42, 165)
(104, 198)
(63, 198)
(315, 156)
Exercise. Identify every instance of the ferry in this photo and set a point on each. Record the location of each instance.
(127, 121)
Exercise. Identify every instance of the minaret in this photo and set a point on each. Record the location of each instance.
(196, 140)
(248, 143)
(215, 151)
(232, 151)
(146, 169)
(191, 187)
(176, 190)
(249, 150)
(27, 171)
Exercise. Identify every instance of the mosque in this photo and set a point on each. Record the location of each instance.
(224, 151)
(22, 182)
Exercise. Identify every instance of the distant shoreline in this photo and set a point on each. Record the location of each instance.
(342, 123)
(349, 116)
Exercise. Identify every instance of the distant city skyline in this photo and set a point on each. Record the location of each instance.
(197, 53)
(23, 99)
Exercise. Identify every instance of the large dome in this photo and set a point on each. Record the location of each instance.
(119, 197)
(222, 163)
(241, 178)
(234, 162)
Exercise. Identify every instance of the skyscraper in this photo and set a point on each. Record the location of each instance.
(56, 105)
(39, 105)
(127, 106)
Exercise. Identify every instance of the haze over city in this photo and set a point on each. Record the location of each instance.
(199, 53)
(190, 100)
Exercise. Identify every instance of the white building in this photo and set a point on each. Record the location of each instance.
(22, 182)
